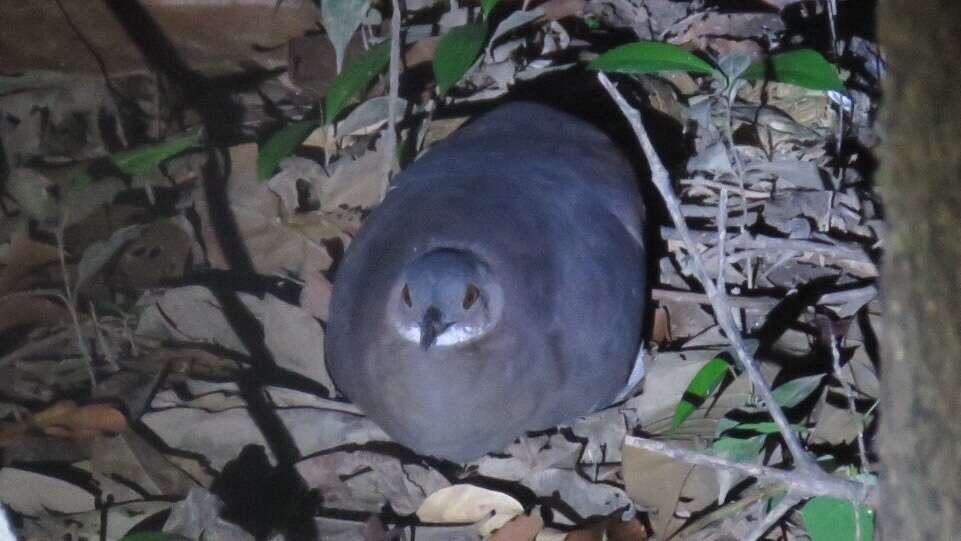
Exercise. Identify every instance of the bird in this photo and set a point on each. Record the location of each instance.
(497, 289)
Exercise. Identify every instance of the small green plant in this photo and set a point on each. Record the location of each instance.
(356, 75)
(707, 379)
(832, 519)
(456, 53)
(650, 57)
(281, 144)
(143, 160)
(487, 6)
(805, 68)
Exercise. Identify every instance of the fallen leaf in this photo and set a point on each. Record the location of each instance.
(465, 503)
(520, 528)
(24, 255)
(29, 311)
(315, 296)
(66, 419)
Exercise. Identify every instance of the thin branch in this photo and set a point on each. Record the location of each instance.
(798, 482)
(692, 297)
(721, 236)
(806, 468)
(757, 493)
(69, 300)
(861, 295)
(738, 169)
(390, 138)
(775, 244)
(722, 310)
(849, 396)
(772, 518)
(108, 355)
(743, 192)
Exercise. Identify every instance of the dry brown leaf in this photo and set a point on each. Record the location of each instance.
(631, 530)
(275, 244)
(28, 311)
(611, 529)
(24, 256)
(559, 9)
(315, 297)
(656, 481)
(161, 252)
(661, 332)
(594, 533)
(520, 528)
(207, 35)
(67, 419)
(420, 52)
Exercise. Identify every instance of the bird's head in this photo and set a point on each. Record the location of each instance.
(445, 297)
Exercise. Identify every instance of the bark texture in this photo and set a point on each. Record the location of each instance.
(921, 183)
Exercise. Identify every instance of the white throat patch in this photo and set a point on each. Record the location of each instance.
(456, 334)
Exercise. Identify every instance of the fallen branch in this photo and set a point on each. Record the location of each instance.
(809, 477)
(794, 481)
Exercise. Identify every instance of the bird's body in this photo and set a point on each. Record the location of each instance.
(497, 289)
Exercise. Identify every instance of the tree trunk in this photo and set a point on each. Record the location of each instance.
(921, 183)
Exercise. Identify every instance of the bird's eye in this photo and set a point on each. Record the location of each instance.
(405, 295)
(471, 294)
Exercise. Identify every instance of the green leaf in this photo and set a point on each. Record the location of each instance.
(356, 75)
(153, 536)
(142, 160)
(795, 391)
(487, 6)
(456, 53)
(281, 144)
(702, 385)
(765, 427)
(738, 449)
(649, 57)
(832, 519)
(805, 68)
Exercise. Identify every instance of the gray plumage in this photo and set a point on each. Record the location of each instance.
(497, 289)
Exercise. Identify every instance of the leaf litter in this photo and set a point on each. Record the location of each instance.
(158, 429)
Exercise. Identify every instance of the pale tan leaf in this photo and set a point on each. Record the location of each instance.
(466, 503)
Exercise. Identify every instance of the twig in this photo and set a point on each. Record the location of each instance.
(68, 300)
(108, 355)
(692, 297)
(722, 310)
(730, 509)
(849, 396)
(806, 468)
(390, 138)
(863, 295)
(743, 192)
(721, 284)
(798, 482)
(738, 168)
(775, 244)
(770, 519)
(721, 236)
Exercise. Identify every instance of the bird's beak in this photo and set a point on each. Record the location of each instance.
(430, 327)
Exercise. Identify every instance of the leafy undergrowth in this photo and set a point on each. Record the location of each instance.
(132, 345)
